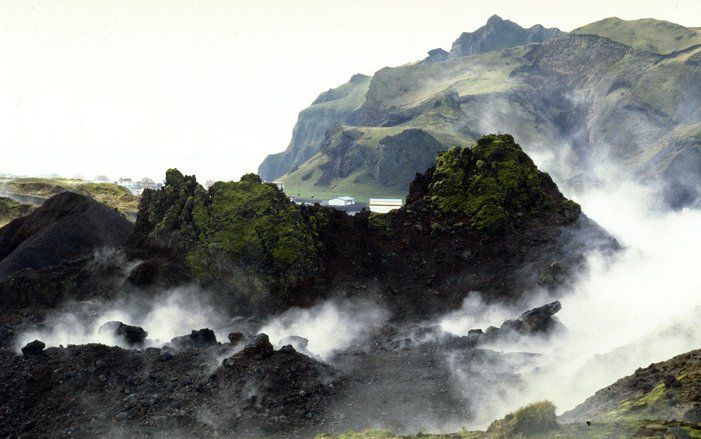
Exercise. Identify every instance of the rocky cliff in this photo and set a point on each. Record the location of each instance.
(481, 213)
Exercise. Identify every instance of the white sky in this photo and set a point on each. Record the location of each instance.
(130, 88)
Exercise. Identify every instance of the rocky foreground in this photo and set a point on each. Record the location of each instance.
(199, 387)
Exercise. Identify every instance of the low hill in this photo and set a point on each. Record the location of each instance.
(37, 190)
(66, 227)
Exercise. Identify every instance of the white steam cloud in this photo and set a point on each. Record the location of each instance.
(170, 314)
(638, 307)
(330, 327)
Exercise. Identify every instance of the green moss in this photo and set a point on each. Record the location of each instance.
(246, 228)
(494, 184)
(538, 417)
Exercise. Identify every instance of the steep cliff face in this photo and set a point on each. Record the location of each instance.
(330, 108)
(589, 102)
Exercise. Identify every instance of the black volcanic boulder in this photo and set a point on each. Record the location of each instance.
(132, 335)
(66, 227)
(35, 347)
(538, 319)
(259, 348)
(203, 337)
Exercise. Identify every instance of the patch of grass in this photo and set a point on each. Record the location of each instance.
(535, 418)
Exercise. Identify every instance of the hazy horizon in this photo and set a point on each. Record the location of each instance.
(133, 88)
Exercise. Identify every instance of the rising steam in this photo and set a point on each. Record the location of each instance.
(639, 307)
(170, 314)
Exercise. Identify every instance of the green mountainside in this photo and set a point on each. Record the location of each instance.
(634, 109)
(648, 34)
(331, 107)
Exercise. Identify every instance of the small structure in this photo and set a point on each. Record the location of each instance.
(280, 185)
(342, 201)
(384, 205)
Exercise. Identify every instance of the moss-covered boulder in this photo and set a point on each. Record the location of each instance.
(492, 186)
(244, 235)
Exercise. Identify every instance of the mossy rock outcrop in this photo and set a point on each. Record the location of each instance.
(492, 185)
(247, 234)
(474, 216)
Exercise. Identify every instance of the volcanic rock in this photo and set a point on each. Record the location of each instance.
(236, 337)
(203, 337)
(35, 347)
(132, 335)
(259, 348)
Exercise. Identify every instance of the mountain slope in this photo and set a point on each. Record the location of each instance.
(338, 106)
(634, 111)
(655, 36)
(667, 390)
(331, 107)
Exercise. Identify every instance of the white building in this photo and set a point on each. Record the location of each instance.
(384, 205)
(342, 201)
